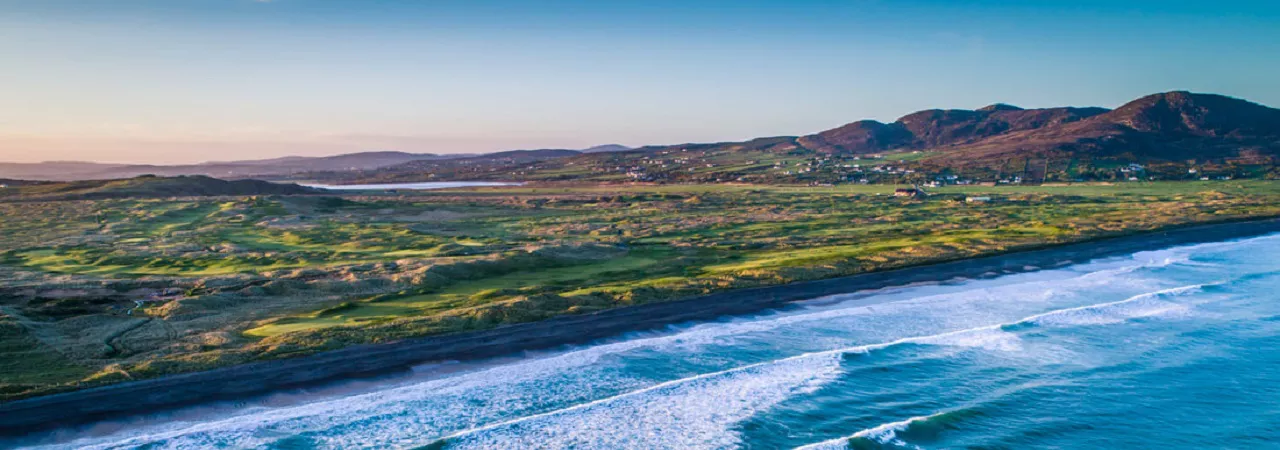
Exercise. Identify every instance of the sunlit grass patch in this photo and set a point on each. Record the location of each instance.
(280, 276)
(463, 293)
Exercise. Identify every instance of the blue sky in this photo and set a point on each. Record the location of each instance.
(194, 80)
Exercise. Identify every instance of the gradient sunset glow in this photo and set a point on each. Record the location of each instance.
(163, 81)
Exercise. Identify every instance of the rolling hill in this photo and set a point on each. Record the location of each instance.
(606, 148)
(1171, 126)
(69, 171)
(273, 168)
(1174, 126)
(150, 187)
(1173, 135)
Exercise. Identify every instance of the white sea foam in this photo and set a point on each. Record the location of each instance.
(886, 433)
(466, 403)
(1143, 305)
(695, 412)
(791, 365)
(993, 339)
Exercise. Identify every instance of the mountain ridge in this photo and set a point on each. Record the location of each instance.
(149, 187)
(1176, 130)
(271, 168)
(1164, 127)
(1174, 124)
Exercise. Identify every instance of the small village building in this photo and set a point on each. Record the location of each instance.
(977, 199)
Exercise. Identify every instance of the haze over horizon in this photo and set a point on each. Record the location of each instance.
(153, 81)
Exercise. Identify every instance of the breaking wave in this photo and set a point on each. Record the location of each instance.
(897, 435)
(589, 398)
(808, 370)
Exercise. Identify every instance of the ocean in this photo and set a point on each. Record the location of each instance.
(1177, 348)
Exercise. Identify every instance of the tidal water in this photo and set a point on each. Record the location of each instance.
(1177, 348)
(424, 186)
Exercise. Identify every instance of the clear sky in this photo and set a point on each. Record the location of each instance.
(171, 81)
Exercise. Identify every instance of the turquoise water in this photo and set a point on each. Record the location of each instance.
(1166, 349)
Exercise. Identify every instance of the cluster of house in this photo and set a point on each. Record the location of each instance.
(818, 163)
(640, 172)
(1133, 168)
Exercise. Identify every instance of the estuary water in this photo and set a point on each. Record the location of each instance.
(423, 186)
(1176, 348)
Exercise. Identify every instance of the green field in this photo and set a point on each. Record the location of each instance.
(97, 291)
(463, 294)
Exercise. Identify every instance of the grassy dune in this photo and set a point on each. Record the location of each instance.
(108, 290)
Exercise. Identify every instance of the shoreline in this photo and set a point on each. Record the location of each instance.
(247, 380)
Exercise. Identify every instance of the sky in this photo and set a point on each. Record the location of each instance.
(181, 81)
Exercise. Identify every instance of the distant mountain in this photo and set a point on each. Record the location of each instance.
(525, 154)
(486, 166)
(606, 148)
(276, 167)
(937, 128)
(363, 160)
(6, 182)
(54, 170)
(1181, 135)
(151, 187)
(1173, 126)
